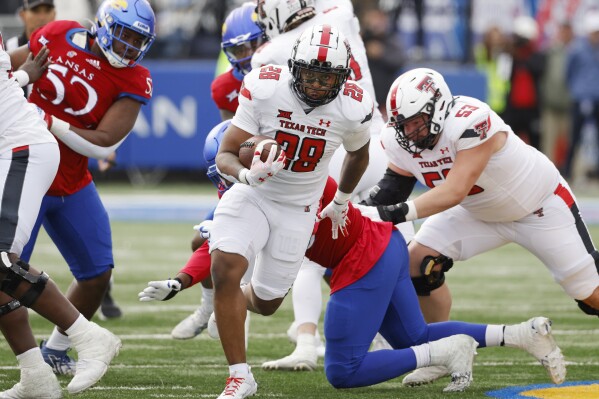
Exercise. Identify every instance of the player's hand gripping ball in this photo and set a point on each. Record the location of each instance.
(266, 160)
(248, 148)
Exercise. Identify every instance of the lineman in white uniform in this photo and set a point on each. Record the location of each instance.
(29, 158)
(310, 111)
(488, 188)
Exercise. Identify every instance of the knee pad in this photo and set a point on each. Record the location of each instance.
(587, 309)
(17, 273)
(433, 274)
(9, 307)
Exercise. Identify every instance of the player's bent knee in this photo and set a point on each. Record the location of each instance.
(432, 276)
(15, 274)
(339, 376)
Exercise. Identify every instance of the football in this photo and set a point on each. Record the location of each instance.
(248, 147)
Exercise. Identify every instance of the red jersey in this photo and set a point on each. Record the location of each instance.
(79, 87)
(225, 91)
(353, 255)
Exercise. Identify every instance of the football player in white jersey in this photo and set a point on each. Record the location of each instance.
(488, 188)
(29, 158)
(285, 20)
(309, 109)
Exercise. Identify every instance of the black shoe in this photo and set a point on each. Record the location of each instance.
(109, 309)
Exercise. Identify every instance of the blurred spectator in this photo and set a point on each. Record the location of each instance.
(492, 60)
(522, 108)
(582, 75)
(384, 52)
(34, 14)
(555, 98)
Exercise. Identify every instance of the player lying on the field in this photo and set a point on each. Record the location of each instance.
(371, 279)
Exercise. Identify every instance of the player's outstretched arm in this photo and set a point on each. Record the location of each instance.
(98, 143)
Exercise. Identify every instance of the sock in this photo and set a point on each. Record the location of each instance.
(307, 295)
(241, 370)
(208, 297)
(58, 341)
(31, 358)
(423, 355)
(80, 325)
(494, 335)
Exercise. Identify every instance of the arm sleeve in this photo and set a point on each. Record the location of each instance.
(84, 147)
(198, 265)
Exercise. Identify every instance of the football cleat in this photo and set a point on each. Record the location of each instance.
(424, 375)
(292, 335)
(96, 347)
(193, 324)
(61, 363)
(239, 387)
(534, 336)
(457, 354)
(36, 382)
(109, 308)
(303, 358)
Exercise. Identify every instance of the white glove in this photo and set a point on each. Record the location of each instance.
(262, 171)
(160, 290)
(336, 210)
(204, 228)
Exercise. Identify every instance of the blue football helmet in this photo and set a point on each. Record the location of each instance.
(241, 37)
(114, 18)
(211, 147)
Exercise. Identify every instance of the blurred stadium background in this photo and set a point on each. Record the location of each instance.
(168, 138)
(158, 191)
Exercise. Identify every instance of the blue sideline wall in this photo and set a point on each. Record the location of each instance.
(171, 129)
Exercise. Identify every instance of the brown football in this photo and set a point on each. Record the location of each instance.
(248, 147)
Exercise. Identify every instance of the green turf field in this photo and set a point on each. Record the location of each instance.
(504, 286)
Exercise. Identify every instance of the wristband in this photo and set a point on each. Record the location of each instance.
(21, 77)
(59, 127)
(412, 214)
(341, 197)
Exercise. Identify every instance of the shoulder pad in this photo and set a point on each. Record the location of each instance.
(356, 103)
(262, 83)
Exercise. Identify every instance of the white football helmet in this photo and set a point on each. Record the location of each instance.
(277, 16)
(319, 64)
(416, 92)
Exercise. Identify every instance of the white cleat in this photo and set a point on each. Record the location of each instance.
(193, 324)
(424, 375)
(96, 347)
(534, 336)
(36, 383)
(303, 358)
(292, 335)
(239, 388)
(212, 328)
(456, 353)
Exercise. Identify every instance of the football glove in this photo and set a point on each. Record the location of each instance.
(336, 210)
(160, 290)
(262, 171)
(204, 228)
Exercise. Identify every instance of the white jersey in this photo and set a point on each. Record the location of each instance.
(20, 123)
(515, 182)
(268, 106)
